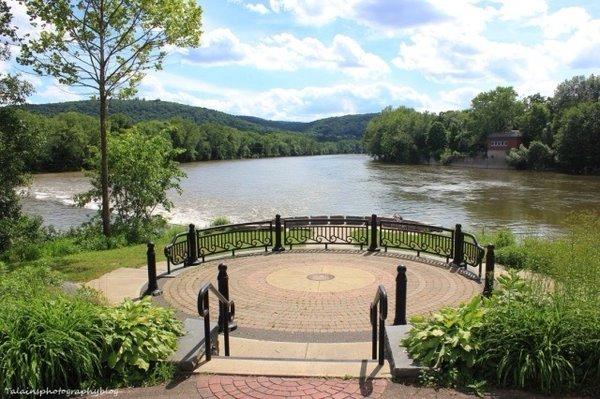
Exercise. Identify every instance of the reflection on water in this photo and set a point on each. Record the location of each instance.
(244, 190)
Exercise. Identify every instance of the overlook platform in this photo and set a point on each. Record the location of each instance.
(314, 295)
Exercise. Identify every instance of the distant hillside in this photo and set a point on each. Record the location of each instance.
(349, 126)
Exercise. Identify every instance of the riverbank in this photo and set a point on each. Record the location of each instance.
(526, 202)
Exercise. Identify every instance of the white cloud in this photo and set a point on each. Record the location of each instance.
(258, 8)
(289, 53)
(520, 9)
(564, 21)
(303, 104)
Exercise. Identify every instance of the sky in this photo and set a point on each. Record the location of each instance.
(303, 60)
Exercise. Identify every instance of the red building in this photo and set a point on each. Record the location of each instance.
(499, 144)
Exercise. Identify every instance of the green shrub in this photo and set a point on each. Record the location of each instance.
(511, 256)
(52, 339)
(220, 221)
(50, 342)
(447, 342)
(141, 338)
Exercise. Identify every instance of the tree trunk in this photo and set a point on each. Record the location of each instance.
(104, 165)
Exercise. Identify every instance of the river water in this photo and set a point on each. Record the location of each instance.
(247, 190)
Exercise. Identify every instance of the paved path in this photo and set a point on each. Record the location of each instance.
(226, 387)
(124, 283)
(317, 292)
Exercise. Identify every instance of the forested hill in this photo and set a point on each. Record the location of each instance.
(343, 127)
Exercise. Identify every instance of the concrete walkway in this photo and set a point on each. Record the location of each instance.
(124, 283)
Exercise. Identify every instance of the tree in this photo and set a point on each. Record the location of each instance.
(494, 111)
(436, 137)
(106, 47)
(142, 171)
(12, 89)
(575, 90)
(535, 123)
(18, 145)
(578, 138)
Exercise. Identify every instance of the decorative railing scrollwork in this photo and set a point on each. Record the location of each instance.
(234, 237)
(417, 237)
(375, 232)
(344, 230)
(473, 252)
(177, 251)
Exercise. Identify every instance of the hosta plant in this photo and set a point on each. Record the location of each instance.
(447, 342)
(141, 339)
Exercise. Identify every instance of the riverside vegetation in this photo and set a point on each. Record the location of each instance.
(559, 132)
(540, 330)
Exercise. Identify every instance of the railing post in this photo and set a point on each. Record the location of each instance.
(459, 246)
(400, 314)
(152, 280)
(373, 331)
(192, 257)
(278, 247)
(373, 246)
(490, 260)
(223, 287)
(207, 343)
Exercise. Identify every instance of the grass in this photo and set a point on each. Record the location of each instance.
(88, 265)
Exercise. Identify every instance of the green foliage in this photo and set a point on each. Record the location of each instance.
(141, 171)
(494, 111)
(139, 110)
(539, 330)
(537, 157)
(448, 342)
(534, 124)
(577, 144)
(141, 337)
(398, 135)
(220, 221)
(51, 339)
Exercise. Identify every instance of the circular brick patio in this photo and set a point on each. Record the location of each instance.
(318, 292)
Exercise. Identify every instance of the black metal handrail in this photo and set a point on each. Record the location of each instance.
(227, 308)
(325, 230)
(378, 313)
(417, 237)
(373, 231)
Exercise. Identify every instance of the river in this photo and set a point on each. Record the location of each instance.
(245, 190)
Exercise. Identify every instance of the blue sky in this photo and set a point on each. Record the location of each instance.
(308, 59)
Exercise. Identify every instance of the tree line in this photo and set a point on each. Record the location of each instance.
(65, 141)
(559, 132)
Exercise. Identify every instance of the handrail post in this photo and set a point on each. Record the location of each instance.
(373, 331)
(278, 247)
(223, 287)
(152, 280)
(459, 246)
(207, 343)
(192, 257)
(400, 313)
(373, 246)
(490, 260)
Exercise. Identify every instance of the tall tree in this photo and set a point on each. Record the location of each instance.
(12, 89)
(494, 111)
(106, 47)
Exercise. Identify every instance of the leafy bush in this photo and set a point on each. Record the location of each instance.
(50, 342)
(53, 339)
(141, 338)
(447, 342)
(220, 221)
(533, 333)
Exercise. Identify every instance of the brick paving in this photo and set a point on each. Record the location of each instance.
(257, 285)
(211, 387)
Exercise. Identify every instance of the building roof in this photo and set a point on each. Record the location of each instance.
(508, 133)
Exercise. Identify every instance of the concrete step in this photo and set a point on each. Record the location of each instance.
(191, 347)
(252, 348)
(294, 367)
